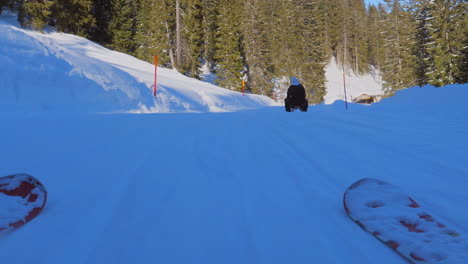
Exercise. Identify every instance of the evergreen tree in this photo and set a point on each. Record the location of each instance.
(123, 25)
(335, 24)
(102, 15)
(228, 55)
(209, 27)
(5, 3)
(399, 65)
(358, 36)
(257, 50)
(34, 13)
(312, 54)
(286, 39)
(192, 22)
(73, 16)
(422, 39)
(462, 62)
(375, 44)
(155, 31)
(445, 48)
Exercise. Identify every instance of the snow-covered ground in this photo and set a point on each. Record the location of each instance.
(256, 186)
(58, 72)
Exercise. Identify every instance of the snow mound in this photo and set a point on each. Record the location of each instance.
(56, 72)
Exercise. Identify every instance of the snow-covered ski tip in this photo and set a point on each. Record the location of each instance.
(396, 219)
(22, 198)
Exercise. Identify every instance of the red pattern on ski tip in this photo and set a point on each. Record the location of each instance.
(17, 224)
(413, 204)
(392, 244)
(427, 217)
(411, 227)
(431, 219)
(416, 257)
(23, 190)
(32, 198)
(33, 213)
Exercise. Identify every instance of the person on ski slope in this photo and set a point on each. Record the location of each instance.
(296, 97)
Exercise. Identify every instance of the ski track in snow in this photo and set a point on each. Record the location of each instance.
(260, 186)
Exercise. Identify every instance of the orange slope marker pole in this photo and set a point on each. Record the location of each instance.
(243, 87)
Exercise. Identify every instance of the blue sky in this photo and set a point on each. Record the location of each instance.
(375, 2)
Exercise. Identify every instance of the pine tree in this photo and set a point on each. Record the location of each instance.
(209, 27)
(155, 31)
(422, 38)
(5, 3)
(374, 38)
(228, 55)
(123, 25)
(399, 65)
(310, 67)
(74, 16)
(335, 23)
(462, 75)
(446, 31)
(358, 36)
(257, 50)
(102, 15)
(35, 13)
(192, 33)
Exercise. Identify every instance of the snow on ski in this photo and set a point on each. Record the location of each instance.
(397, 220)
(22, 198)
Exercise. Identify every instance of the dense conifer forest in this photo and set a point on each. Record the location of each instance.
(413, 42)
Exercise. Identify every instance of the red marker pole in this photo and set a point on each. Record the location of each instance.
(155, 88)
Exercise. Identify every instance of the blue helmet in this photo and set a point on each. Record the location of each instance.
(295, 81)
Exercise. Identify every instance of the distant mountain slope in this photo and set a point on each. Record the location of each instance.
(62, 72)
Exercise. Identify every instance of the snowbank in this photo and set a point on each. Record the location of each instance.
(57, 72)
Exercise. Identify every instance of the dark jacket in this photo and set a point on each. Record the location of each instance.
(296, 95)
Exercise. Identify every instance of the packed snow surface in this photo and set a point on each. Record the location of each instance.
(251, 186)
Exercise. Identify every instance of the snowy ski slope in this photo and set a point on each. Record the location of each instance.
(58, 72)
(257, 186)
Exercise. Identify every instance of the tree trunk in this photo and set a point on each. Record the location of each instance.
(171, 53)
